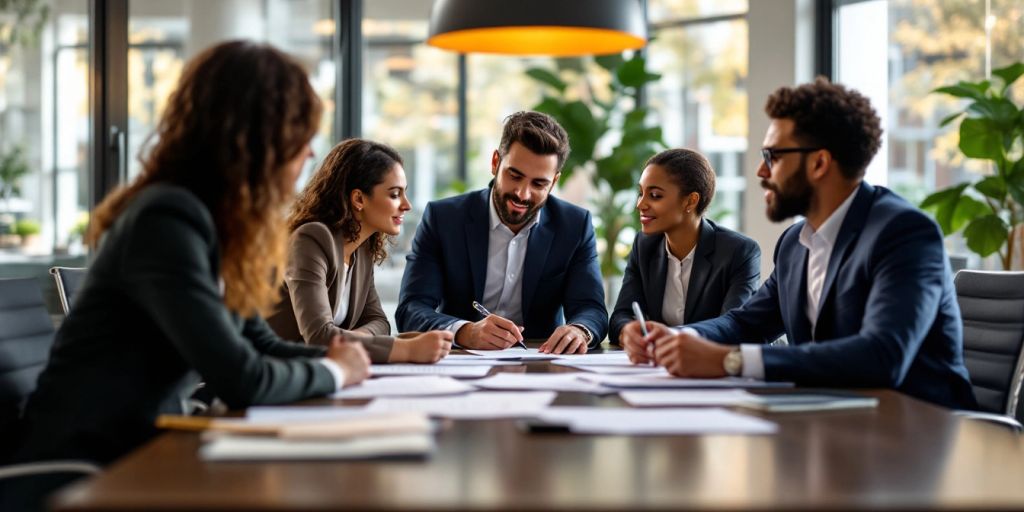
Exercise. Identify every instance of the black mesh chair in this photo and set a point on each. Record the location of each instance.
(26, 334)
(992, 307)
(68, 280)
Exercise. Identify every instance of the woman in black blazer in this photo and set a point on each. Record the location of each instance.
(683, 268)
(182, 269)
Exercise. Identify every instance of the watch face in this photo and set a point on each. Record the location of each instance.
(733, 362)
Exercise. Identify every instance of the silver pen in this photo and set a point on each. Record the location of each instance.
(639, 314)
(483, 311)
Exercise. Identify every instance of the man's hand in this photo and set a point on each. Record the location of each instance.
(639, 349)
(421, 347)
(567, 339)
(689, 355)
(491, 333)
(352, 358)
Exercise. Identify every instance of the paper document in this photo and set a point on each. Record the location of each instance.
(404, 386)
(519, 354)
(268, 414)
(809, 401)
(541, 382)
(685, 397)
(478, 405)
(666, 381)
(623, 421)
(613, 369)
(459, 371)
(245, 448)
(478, 361)
(602, 359)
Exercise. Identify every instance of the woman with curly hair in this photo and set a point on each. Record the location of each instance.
(341, 223)
(182, 269)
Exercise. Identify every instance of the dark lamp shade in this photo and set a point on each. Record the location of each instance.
(560, 28)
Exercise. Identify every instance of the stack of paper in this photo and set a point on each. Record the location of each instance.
(404, 386)
(250, 448)
(686, 397)
(658, 381)
(541, 382)
(515, 353)
(478, 405)
(458, 371)
(601, 420)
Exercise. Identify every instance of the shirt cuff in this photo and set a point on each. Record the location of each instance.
(688, 330)
(336, 371)
(753, 362)
(454, 329)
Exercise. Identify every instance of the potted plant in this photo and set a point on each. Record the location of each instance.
(989, 211)
(26, 229)
(594, 117)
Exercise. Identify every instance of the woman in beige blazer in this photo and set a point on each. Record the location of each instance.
(341, 223)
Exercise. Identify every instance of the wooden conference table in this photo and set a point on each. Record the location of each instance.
(905, 454)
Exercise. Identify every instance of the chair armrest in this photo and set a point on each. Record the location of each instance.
(1001, 419)
(56, 466)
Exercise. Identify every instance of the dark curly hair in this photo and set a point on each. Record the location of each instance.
(352, 164)
(536, 131)
(691, 171)
(832, 117)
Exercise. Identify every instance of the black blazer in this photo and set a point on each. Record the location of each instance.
(726, 271)
(148, 324)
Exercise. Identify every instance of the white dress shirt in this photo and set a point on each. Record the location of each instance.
(819, 246)
(341, 313)
(677, 280)
(506, 252)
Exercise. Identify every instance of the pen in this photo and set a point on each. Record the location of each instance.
(643, 325)
(483, 311)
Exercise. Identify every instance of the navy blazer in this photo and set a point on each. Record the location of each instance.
(726, 270)
(888, 317)
(446, 270)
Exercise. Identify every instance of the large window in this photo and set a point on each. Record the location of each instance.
(897, 52)
(44, 137)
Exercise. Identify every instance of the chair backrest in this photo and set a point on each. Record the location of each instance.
(68, 280)
(26, 334)
(992, 306)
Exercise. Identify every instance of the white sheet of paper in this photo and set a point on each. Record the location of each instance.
(517, 353)
(478, 405)
(602, 359)
(624, 421)
(230, 447)
(426, 385)
(458, 371)
(477, 361)
(541, 382)
(614, 369)
(685, 397)
(302, 413)
(665, 381)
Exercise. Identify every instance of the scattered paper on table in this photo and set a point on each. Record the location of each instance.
(613, 369)
(404, 386)
(688, 397)
(665, 381)
(624, 421)
(519, 354)
(253, 448)
(542, 382)
(601, 359)
(478, 405)
(462, 371)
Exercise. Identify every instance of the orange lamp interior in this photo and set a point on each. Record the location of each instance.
(554, 41)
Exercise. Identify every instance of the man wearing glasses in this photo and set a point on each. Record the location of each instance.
(862, 287)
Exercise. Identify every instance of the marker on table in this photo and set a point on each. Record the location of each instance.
(483, 311)
(639, 314)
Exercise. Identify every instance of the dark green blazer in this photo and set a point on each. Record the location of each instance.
(148, 324)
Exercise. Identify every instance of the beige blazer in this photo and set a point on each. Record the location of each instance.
(312, 290)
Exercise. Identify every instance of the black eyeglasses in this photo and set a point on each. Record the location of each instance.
(772, 154)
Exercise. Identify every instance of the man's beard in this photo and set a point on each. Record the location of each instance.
(792, 197)
(511, 218)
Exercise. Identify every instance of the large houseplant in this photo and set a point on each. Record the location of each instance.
(597, 116)
(988, 211)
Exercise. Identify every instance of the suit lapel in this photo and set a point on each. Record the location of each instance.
(536, 254)
(700, 268)
(477, 238)
(848, 232)
(357, 294)
(656, 273)
(796, 284)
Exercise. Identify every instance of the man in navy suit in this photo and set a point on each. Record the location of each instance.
(528, 258)
(862, 287)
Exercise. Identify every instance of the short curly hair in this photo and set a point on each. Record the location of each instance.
(832, 117)
(691, 171)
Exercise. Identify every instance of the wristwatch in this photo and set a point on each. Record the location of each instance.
(586, 332)
(733, 362)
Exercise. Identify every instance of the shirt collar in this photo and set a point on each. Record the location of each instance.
(829, 230)
(496, 221)
(672, 257)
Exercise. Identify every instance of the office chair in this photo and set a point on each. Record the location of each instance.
(68, 280)
(992, 307)
(26, 334)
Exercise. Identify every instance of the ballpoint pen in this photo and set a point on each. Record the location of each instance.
(639, 314)
(483, 311)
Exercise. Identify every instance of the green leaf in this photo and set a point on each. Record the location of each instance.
(943, 203)
(965, 90)
(968, 209)
(986, 235)
(1009, 74)
(633, 73)
(610, 62)
(548, 78)
(1001, 111)
(569, 63)
(992, 186)
(1015, 182)
(981, 138)
(950, 118)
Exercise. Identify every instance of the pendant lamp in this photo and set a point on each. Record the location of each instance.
(559, 28)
